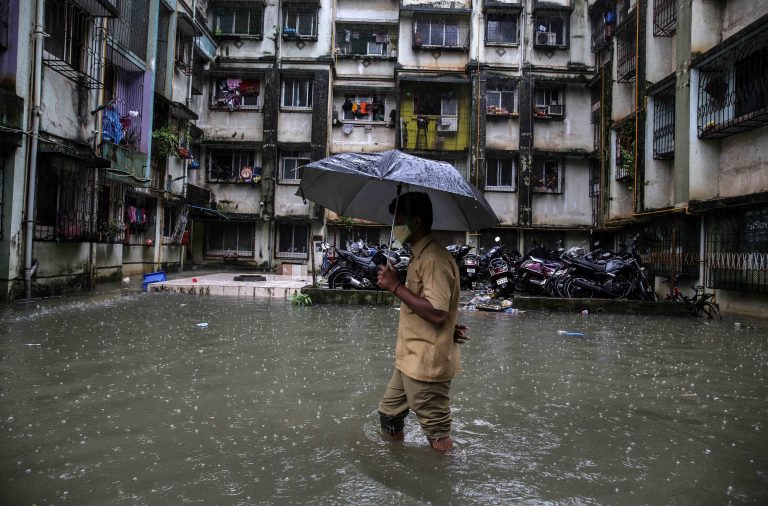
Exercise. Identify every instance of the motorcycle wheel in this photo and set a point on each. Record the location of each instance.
(340, 279)
(560, 283)
(574, 291)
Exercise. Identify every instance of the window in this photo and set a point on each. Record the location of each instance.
(297, 93)
(625, 151)
(664, 17)
(626, 52)
(664, 126)
(229, 239)
(751, 92)
(551, 30)
(234, 166)
(545, 175)
(500, 174)
(184, 53)
(501, 28)
(170, 214)
(236, 94)
(370, 236)
(291, 166)
(65, 207)
(237, 18)
(67, 26)
(440, 31)
(362, 40)
(363, 107)
(139, 219)
(300, 21)
(594, 178)
(548, 103)
(501, 98)
(292, 241)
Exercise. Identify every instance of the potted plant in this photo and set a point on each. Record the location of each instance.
(165, 142)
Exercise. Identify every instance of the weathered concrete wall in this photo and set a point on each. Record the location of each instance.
(660, 57)
(621, 194)
(238, 197)
(66, 108)
(304, 49)
(364, 138)
(365, 9)
(137, 260)
(362, 67)
(570, 132)
(504, 204)
(502, 134)
(287, 203)
(447, 60)
(573, 207)
(738, 303)
(737, 14)
(704, 155)
(659, 187)
(240, 125)
(706, 26)
(294, 126)
(744, 164)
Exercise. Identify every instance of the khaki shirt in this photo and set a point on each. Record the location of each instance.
(425, 352)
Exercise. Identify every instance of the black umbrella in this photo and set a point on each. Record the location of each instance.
(361, 185)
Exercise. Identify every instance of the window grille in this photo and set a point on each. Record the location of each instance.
(363, 40)
(594, 178)
(500, 174)
(664, 17)
(234, 93)
(369, 235)
(292, 241)
(501, 97)
(297, 93)
(548, 103)
(546, 175)
(673, 247)
(129, 30)
(198, 196)
(300, 21)
(626, 51)
(363, 107)
(229, 239)
(124, 92)
(551, 30)
(603, 20)
(733, 89)
(625, 151)
(436, 31)
(184, 53)
(596, 127)
(664, 126)
(64, 208)
(238, 19)
(292, 166)
(736, 254)
(140, 214)
(233, 165)
(73, 47)
(501, 28)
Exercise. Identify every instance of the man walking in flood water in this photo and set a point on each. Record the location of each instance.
(427, 354)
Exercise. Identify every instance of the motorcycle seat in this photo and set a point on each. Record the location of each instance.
(588, 265)
(363, 260)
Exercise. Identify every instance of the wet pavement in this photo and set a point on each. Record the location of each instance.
(125, 400)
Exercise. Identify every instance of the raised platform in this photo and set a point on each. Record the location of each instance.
(637, 307)
(224, 284)
(350, 297)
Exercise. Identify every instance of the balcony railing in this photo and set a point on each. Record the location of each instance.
(735, 256)
(664, 126)
(626, 47)
(664, 17)
(434, 133)
(603, 19)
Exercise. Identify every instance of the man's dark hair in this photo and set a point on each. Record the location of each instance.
(415, 204)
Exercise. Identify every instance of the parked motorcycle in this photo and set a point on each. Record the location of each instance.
(467, 263)
(353, 271)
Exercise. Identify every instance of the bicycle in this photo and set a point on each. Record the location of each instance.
(699, 305)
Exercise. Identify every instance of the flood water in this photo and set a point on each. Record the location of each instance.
(125, 400)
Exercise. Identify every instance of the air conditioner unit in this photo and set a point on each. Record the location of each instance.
(448, 124)
(546, 38)
(555, 109)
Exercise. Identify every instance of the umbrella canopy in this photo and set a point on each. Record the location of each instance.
(361, 185)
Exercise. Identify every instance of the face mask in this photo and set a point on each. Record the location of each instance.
(402, 233)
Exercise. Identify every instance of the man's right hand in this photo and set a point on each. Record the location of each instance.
(387, 278)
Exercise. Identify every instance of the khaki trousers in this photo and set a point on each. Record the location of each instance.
(429, 401)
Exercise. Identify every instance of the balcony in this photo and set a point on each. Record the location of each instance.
(126, 161)
(434, 133)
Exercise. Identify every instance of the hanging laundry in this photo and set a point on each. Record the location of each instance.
(364, 108)
(347, 105)
(112, 130)
(250, 88)
(233, 84)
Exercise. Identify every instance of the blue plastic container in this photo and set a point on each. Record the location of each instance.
(152, 277)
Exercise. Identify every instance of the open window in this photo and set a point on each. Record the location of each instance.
(238, 19)
(363, 107)
(297, 93)
(292, 166)
(234, 93)
(293, 241)
(501, 28)
(551, 30)
(500, 174)
(501, 97)
(546, 175)
(300, 21)
(234, 165)
(229, 239)
(363, 40)
(549, 103)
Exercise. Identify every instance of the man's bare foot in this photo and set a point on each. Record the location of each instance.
(393, 437)
(443, 444)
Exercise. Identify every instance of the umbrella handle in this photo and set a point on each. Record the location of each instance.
(392, 228)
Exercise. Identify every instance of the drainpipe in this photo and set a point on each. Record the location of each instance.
(182, 248)
(32, 168)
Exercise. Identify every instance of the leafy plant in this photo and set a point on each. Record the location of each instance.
(301, 299)
(165, 141)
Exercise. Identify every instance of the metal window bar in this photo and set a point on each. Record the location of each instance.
(110, 203)
(238, 18)
(664, 126)
(293, 241)
(184, 53)
(626, 52)
(602, 18)
(502, 97)
(170, 217)
(733, 89)
(64, 208)
(547, 176)
(664, 17)
(226, 165)
(140, 218)
(596, 126)
(435, 132)
(123, 115)
(129, 30)
(436, 31)
(673, 247)
(736, 252)
(625, 151)
(229, 239)
(364, 39)
(594, 178)
(73, 47)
